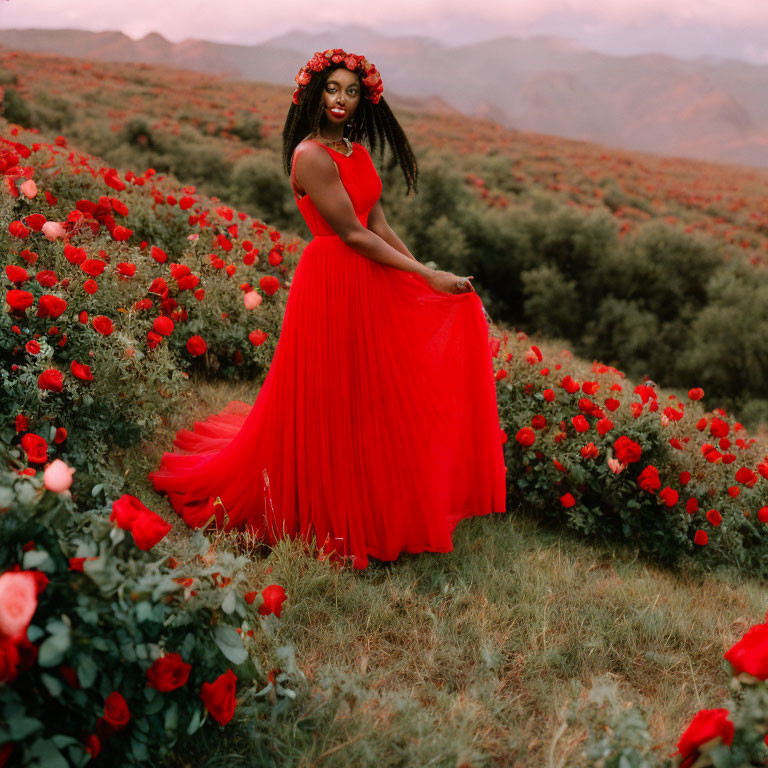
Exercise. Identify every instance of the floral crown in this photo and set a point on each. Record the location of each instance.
(369, 75)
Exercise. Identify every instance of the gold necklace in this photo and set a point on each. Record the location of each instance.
(330, 142)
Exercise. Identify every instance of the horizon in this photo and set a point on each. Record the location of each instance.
(683, 29)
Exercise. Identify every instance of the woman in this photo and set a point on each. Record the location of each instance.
(376, 428)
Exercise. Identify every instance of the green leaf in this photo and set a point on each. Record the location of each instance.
(172, 717)
(230, 643)
(144, 611)
(52, 650)
(22, 726)
(53, 684)
(228, 604)
(86, 671)
(46, 755)
(139, 750)
(195, 722)
(37, 559)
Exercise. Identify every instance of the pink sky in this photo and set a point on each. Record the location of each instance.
(636, 24)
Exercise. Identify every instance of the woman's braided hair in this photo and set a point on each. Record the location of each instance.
(373, 121)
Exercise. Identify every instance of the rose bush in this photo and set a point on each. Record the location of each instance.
(108, 648)
(102, 325)
(660, 473)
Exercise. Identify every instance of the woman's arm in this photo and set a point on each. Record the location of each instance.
(316, 173)
(377, 223)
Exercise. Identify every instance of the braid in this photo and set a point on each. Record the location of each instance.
(374, 124)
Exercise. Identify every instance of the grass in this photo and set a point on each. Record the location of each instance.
(469, 658)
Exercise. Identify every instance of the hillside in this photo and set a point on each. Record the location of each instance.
(125, 319)
(704, 108)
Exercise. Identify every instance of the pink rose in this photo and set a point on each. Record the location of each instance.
(18, 603)
(29, 188)
(58, 476)
(52, 230)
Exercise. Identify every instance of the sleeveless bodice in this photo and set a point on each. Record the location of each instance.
(360, 179)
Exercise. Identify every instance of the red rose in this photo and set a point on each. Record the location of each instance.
(692, 506)
(714, 517)
(219, 696)
(47, 278)
(35, 447)
(269, 284)
(16, 275)
(51, 379)
(567, 500)
(19, 300)
(525, 437)
(92, 745)
(750, 654)
(627, 451)
(116, 710)
(196, 345)
(649, 480)
(102, 324)
(570, 385)
(257, 337)
(163, 325)
(274, 596)
(549, 395)
(580, 424)
(708, 725)
(701, 537)
(121, 233)
(148, 528)
(612, 403)
(168, 673)
(81, 371)
(93, 267)
(50, 306)
(696, 393)
(603, 426)
(153, 339)
(17, 229)
(21, 422)
(589, 451)
(669, 496)
(718, 427)
(125, 510)
(125, 269)
(188, 282)
(746, 476)
(158, 254)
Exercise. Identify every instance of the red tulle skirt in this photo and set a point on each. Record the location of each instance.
(376, 428)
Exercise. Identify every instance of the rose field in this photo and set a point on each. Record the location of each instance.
(614, 616)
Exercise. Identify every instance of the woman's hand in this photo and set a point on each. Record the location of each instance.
(447, 282)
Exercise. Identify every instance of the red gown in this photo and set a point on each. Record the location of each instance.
(376, 428)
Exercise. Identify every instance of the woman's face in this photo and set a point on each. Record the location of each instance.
(341, 96)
